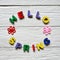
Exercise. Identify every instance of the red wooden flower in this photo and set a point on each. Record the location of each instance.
(11, 30)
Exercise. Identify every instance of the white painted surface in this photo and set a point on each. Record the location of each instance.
(29, 31)
(53, 12)
(30, 2)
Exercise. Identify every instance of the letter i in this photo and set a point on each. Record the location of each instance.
(33, 48)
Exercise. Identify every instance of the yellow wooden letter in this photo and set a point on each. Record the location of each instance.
(40, 46)
(12, 41)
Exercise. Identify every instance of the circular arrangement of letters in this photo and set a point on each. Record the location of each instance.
(46, 30)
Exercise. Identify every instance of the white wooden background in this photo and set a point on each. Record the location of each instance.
(29, 31)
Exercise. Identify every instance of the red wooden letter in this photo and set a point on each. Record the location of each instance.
(33, 47)
(20, 15)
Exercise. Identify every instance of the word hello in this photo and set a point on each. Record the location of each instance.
(21, 16)
(26, 47)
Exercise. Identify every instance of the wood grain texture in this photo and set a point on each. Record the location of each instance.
(53, 12)
(30, 2)
(30, 31)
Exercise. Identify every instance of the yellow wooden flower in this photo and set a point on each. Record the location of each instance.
(45, 19)
(12, 40)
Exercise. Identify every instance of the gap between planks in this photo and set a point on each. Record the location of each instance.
(29, 26)
(27, 5)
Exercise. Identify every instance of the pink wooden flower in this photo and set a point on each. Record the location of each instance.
(47, 30)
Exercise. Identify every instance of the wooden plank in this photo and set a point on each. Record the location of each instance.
(30, 2)
(51, 11)
(47, 53)
(30, 30)
(30, 35)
